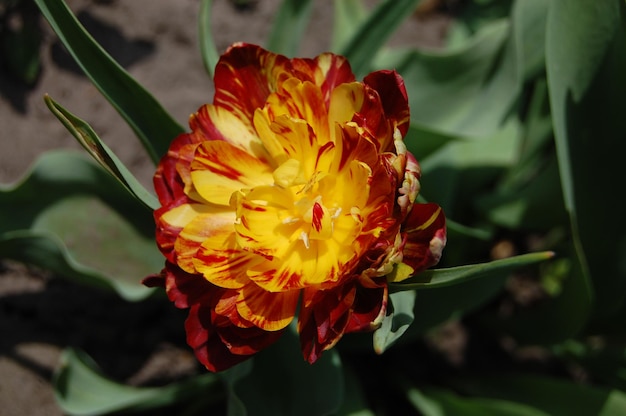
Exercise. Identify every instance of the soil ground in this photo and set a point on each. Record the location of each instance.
(156, 41)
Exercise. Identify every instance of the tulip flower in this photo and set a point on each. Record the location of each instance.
(291, 198)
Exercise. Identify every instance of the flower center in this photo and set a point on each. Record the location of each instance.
(309, 212)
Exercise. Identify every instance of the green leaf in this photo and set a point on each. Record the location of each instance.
(289, 26)
(529, 32)
(348, 16)
(374, 31)
(465, 92)
(451, 293)
(150, 122)
(550, 395)
(454, 174)
(422, 141)
(71, 217)
(208, 50)
(535, 204)
(282, 383)
(473, 16)
(101, 153)
(81, 389)
(433, 279)
(439, 402)
(452, 302)
(397, 320)
(586, 67)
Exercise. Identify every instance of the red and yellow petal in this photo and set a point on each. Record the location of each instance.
(220, 169)
(327, 71)
(323, 318)
(267, 310)
(245, 76)
(216, 123)
(223, 263)
(425, 228)
(201, 223)
(221, 347)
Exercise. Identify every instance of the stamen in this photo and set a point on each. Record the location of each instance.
(305, 239)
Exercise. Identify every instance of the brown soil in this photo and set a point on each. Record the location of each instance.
(156, 41)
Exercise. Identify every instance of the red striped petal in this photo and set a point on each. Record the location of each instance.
(392, 92)
(245, 76)
(220, 169)
(323, 318)
(267, 310)
(221, 347)
(425, 228)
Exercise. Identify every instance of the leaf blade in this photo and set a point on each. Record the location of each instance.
(434, 279)
(87, 137)
(148, 119)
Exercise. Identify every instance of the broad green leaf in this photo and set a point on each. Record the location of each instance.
(71, 217)
(208, 50)
(537, 141)
(473, 16)
(348, 15)
(47, 251)
(374, 31)
(289, 26)
(422, 141)
(397, 320)
(150, 122)
(434, 279)
(81, 389)
(438, 402)
(466, 92)
(529, 34)
(282, 383)
(101, 153)
(550, 395)
(456, 173)
(536, 204)
(586, 68)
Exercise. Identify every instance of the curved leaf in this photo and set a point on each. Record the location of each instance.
(150, 122)
(397, 320)
(438, 402)
(551, 395)
(101, 153)
(433, 279)
(467, 91)
(586, 68)
(81, 389)
(72, 218)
